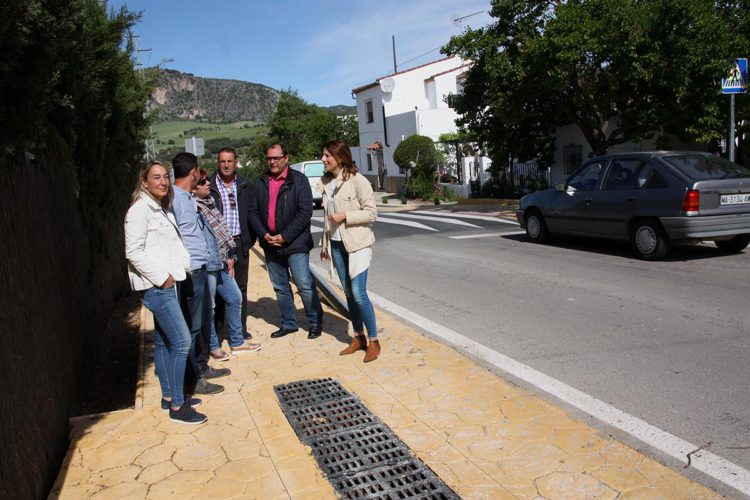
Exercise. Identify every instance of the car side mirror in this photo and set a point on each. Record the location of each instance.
(560, 186)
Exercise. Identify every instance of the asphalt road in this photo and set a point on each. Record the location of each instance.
(667, 342)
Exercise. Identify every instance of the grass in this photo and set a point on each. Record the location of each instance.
(175, 130)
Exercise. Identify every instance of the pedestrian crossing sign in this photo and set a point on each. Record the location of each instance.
(736, 83)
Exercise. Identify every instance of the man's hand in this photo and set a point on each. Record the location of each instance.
(230, 267)
(276, 241)
(337, 218)
(168, 283)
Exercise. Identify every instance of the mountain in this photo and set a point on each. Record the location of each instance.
(187, 97)
(341, 110)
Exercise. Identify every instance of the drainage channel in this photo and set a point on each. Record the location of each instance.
(361, 455)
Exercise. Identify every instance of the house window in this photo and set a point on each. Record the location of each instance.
(572, 157)
(369, 162)
(368, 112)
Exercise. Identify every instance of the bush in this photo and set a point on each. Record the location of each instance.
(420, 150)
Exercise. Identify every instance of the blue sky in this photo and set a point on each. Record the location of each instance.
(321, 48)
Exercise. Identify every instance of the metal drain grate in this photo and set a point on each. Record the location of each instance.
(361, 455)
(328, 417)
(407, 480)
(307, 392)
(352, 451)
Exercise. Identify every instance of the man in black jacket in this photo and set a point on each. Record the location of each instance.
(279, 212)
(231, 192)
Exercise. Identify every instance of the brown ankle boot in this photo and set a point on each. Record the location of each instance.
(358, 342)
(373, 350)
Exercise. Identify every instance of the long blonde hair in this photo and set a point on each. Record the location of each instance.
(166, 201)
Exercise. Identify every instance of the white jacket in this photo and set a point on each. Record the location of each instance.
(153, 245)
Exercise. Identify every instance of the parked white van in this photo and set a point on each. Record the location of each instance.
(313, 170)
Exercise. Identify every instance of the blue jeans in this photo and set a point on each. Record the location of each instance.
(222, 283)
(192, 297)
(171, 342)
(355, 289)
(279, 267)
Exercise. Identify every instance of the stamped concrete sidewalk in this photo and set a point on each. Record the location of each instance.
(483, 436)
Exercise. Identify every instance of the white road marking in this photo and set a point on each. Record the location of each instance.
(465, 216)
(405, 223)
(710, 464)
(394, 221)
(485, 235)
(444, 220)
(316, 229)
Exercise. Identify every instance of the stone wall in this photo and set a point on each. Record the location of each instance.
(55, 298)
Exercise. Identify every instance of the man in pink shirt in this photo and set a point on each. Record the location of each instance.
(280, 213)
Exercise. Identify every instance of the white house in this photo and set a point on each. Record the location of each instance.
(399, 105)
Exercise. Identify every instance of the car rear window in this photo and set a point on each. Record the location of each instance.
(707, 167)
(314, 170)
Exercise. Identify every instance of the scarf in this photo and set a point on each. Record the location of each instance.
(207, 208)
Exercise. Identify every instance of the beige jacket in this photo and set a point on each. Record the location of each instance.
(153, 245)
(355, 198)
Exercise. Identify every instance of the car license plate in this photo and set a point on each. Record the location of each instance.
(734, 199)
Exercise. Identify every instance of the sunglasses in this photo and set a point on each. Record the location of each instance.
(203, 181)
(232, 201)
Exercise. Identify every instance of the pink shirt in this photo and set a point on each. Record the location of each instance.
(274, 185)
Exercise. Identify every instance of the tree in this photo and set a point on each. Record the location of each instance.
(304, 128)
(418, 153)
(621, 70)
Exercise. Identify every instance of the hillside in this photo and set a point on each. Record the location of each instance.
(182, 96)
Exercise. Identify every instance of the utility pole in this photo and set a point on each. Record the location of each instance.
(149, 142)
(393, 43)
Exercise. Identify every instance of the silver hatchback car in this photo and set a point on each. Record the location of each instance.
(652, 199)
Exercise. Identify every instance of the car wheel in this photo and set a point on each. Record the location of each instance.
(735, 244)
(536, 228)
(649, 240)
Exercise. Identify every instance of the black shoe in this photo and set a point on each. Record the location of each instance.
(283, 331)
(247, 335)
(314, 332)
(186, 415)
(210, 372)
(193, 402)
(203, 386)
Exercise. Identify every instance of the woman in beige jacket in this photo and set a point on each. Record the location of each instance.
(349, 208)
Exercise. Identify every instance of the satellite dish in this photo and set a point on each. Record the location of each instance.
(387, 84)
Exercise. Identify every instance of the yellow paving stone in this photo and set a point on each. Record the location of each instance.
(620, 478)
(246, 448)
(247, 469)
(322, 493)
(483, 491)
(180, 440)
(573, 486)
(420, 438)
(118, 475)
(649, 493)
(480, 414)
(302, 478)
(577, 440)
(266, 487)
(155, 454)
(581, 462)
(283, 447)
(157, 471)
(533, 429)
(219, 433)
(620, 455)
(120, 451)
(74, 492)
(533, 460)
(122, 490)
(526, 491)
(492, 449)
(183, 484)
(282, 429)
(441, 421)
(223, 488)
(463, 436)
(200, 457)
(523, 407)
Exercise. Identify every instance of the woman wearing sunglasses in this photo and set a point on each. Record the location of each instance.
(157, 260)
(221, 280)
(349, 208)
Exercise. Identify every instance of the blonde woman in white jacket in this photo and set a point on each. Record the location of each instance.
(349, 207)
(157, 260)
